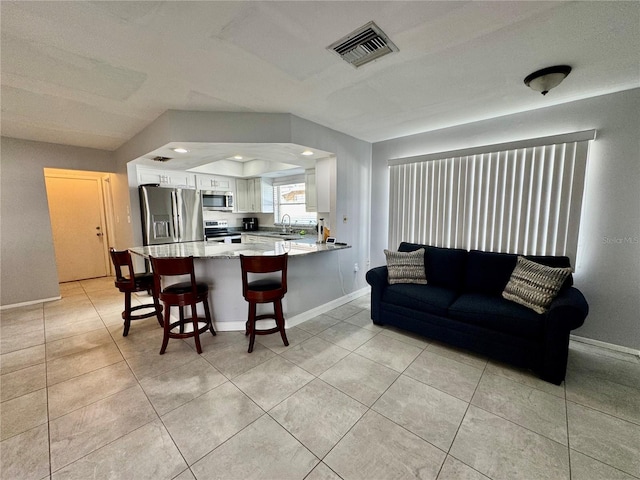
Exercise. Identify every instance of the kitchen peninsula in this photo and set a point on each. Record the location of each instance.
(314, 274)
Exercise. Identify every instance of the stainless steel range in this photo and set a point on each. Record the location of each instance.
(218, 231)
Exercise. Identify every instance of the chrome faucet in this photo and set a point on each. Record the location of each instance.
(285, 229)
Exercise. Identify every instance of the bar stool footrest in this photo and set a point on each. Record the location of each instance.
(141, 316)
(188, 322)
(268, 331)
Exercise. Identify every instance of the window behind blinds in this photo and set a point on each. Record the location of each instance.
(520, 199)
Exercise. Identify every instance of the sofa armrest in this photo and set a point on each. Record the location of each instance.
(569, 309)
(378, 279)
(567, 312)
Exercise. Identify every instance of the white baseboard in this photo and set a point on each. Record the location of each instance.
(30, 302)
(608, 346)
(319, 310)
(296, 319)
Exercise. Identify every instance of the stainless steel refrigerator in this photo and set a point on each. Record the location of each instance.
(170, 215)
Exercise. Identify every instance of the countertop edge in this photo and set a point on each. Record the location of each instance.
(207, 250)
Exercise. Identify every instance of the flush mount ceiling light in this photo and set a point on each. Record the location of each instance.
(237, 157)
(306, 153)
(544, 80)
(180, 150)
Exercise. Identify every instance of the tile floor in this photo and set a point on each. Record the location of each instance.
(346, 399)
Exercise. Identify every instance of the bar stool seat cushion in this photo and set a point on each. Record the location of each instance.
(143, 278)
(185, 287)
(265, 284)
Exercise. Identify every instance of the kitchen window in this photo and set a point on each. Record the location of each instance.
(289, 198)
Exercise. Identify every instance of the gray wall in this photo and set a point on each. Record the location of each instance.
(353, 195)
(608, 261)
(28, 270)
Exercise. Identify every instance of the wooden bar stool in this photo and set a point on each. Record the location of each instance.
(134, 282)
(182, 294)
(264, 290)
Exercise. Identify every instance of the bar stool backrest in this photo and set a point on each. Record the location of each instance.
(120, 259)
(171, 267)
(264, 264)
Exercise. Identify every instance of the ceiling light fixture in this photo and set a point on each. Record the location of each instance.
(544, 80)
(180, 150)
(306, 153)
(237, 157)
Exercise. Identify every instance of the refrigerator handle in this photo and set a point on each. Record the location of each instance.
(176, 216)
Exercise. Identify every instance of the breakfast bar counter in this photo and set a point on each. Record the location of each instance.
(261, 246)
(314, 274)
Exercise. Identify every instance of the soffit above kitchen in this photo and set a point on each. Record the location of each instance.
(234, 159)
(94, 74)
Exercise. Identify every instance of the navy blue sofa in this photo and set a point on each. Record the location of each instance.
(462, 305)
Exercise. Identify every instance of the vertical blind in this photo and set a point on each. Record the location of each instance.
(517, 198)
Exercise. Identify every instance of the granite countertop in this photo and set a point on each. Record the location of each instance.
(234, 250)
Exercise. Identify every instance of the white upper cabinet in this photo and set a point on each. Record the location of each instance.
(254, 195)
(165, 178)
(242, 201)
(310, 195)
(216, 183)
(323, 184)
(265, 187)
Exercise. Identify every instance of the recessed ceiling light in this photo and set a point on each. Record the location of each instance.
(306, 153)
(180, 150)
(237, 157)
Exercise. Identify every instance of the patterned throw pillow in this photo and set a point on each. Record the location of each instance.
(534, 285)
(406, 267)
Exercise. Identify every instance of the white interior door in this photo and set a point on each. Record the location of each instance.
(77, 221)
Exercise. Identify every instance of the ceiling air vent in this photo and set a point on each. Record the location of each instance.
(363, 45)
(161, 159)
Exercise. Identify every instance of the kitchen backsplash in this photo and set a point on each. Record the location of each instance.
(235, 219)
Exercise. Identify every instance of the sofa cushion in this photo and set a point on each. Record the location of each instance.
(406, 267)
(444, 267)
(424, 298)
(498, 314)
(534, 285)
(489, 272)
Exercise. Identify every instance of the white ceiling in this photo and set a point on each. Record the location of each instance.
(94, 74)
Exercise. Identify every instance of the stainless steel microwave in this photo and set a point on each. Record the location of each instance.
(220, 201)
